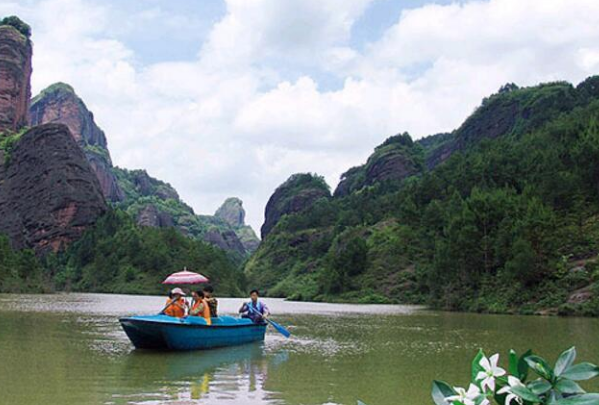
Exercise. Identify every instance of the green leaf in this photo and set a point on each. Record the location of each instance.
(539, 386)
(476, 367)
(540, 366)
(584, 399)
(565, 360)
(441, 390)
(526, 394)
(581, 372)
(566, 386)
(523, 366)
(513, 363)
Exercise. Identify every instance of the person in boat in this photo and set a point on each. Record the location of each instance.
(255, 310)
(212, 302)
(176, 304)
(199, 306)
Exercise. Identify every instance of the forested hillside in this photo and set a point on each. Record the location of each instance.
(118, 256)
(500, 215)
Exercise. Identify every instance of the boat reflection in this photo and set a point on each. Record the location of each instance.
(221, 376)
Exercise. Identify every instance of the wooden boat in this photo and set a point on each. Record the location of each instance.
(162, 332)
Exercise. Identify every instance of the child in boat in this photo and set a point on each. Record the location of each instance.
(176, 304)
(254, 310)
(199, 307)
(212, 302)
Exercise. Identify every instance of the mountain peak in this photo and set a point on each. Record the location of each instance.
(232, 212)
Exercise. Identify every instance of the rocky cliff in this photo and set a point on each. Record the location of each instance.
(15, 75)
(60, 104)
(395, 159)
(224, 239)
(48, 192)
(295, 195)
(151, 216)
(233, 213)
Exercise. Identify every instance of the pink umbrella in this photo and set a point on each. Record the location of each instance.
(185, 277)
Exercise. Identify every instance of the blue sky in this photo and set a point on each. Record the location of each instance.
(230, 97)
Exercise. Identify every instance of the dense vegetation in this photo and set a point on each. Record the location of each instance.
(118, 256)
(18, 24)
(20, 271)
(510, 222)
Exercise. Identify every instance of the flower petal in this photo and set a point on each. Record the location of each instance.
(498, 371)
(494, 360)
(484, 363)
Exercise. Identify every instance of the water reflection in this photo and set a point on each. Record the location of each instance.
(223, 376)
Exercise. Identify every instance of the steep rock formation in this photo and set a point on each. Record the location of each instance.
(15, 75)
(48, 192)
(395, 159)
(224, 239)
(59, 104)
(232, 213)
(296, 194)
(151, 216)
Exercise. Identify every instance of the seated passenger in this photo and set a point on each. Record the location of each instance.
(176, 304)
(212, 302)
(199, 306)
(254, 310)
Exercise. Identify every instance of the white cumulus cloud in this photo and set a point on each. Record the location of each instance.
(253, 102)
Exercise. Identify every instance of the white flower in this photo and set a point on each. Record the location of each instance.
(490, 372)
(513, 382)
(467, 397)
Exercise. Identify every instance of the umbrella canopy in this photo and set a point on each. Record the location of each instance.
(185, 277)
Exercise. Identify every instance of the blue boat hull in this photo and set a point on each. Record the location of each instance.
(163, 332)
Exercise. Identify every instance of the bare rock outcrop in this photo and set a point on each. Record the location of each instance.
(59, 104)
(48, 193)
(296, 194)
(224, 239)
(15, 76)
(151, 216)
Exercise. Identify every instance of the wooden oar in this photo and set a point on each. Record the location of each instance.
(275, 325)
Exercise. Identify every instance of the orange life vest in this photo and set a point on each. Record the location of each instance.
(175, 310)
(205, 311)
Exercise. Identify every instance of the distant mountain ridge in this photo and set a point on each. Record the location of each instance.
(507, 199)
(151, 201)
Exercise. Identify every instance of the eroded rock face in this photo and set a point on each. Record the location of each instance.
(108, 182)
(15, 75)
(59, 104)
(232, 212)
(297, 194)
(224, 239)
(48, 192)
(151, 216)
(395, 159)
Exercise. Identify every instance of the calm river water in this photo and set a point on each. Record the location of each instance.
(69, 349)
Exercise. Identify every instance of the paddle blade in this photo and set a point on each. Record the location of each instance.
(280, 329)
